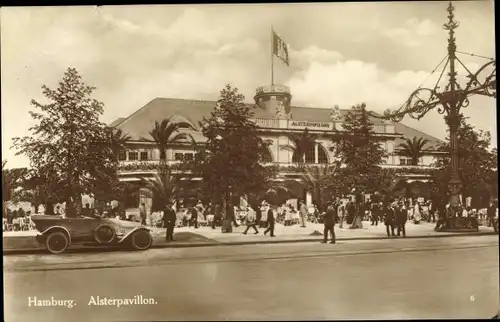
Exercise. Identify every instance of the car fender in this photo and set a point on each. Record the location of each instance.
(124, 238)
(56, 228)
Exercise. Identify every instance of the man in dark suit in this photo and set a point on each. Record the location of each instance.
(401, 217)
(194, 217)
(169, 218)
(270, 221)
(217, 216)
(329, 222)
(389, 220)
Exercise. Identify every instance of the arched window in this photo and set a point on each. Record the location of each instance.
(322, 156)
(182, 119)
(310, 155)
(267, 157)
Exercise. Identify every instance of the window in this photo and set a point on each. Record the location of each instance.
(404, 161)
(322, 156)
(267, 157)
(188, 156)
(133, 156)
(178, 156)
(122, 156)
(310, 155)
(144, 155)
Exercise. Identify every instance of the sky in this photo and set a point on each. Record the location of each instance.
(340, 54)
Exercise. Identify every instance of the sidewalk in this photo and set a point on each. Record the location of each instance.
(24, 241)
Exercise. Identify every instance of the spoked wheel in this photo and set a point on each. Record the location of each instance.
(141, 240)
(57, 242)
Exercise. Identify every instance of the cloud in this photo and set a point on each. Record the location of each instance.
(412, 33)
(134, 57)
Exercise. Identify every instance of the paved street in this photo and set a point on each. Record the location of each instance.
(383, 279)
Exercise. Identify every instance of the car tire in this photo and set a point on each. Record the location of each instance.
(141, 240)
(104, 234)
(57, 242)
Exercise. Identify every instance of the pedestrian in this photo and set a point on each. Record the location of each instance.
(490, 214)
(401, 217)
(217, 216)
(270, 220)
(442, 217)
(417, 213)
(143, 214)
(329, 223)
(288, 215)
(194, 217)
(375, 213)
(341, 212)
(263, 218)
(250, 220)
(231, 215)
(169, 218)
(303, 214)
(389, 220)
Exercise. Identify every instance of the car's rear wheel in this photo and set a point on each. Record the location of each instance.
(57, 242)
(141, 240)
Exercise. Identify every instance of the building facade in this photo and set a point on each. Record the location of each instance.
(276, 118)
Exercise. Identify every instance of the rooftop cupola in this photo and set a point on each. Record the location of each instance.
(275, 100)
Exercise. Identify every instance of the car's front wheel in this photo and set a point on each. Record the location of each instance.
(141, 240)
(57, 242)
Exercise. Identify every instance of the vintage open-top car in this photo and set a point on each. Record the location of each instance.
(58, 233)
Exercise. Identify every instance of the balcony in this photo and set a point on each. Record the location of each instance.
(145, 166)
(285, 124)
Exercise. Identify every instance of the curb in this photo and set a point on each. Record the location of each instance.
(241, 243)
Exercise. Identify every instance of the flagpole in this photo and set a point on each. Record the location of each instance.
(272, 56)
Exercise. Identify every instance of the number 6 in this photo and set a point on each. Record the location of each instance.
(472, 298)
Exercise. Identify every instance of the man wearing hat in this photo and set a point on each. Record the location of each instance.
(401, 217)
(329, 222)
(169, 218)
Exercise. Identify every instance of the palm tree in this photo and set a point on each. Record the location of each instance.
(319, 179)
(165, 133)
(118, 140)
(414, 148)
(301, 143)
(163, 187)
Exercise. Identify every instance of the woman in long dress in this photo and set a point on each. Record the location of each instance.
(417, 215)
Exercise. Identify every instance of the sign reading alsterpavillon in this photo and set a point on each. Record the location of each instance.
(311, 125)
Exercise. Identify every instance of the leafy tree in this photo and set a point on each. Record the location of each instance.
(414, 149)
(11, 179)
(477, 165)
(165, 133)
(301, 143)
(234, 149)
(70, 140)
(359, 149)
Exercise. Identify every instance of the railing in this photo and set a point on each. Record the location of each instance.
(267, 123)
(272, 89)
(274, 123)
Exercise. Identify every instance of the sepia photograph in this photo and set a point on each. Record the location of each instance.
(265, 161)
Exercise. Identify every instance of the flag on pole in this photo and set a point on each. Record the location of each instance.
(280, 49)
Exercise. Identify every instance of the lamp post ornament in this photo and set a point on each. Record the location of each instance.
(451, 99)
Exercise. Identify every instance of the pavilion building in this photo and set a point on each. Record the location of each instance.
(276, 118)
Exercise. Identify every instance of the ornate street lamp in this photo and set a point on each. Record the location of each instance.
(450, 100)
